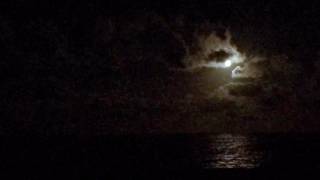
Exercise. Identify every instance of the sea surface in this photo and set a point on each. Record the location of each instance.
(104, 154)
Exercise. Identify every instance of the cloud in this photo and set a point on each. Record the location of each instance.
(212, 51)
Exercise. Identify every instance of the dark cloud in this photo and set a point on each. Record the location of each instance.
(218, 56)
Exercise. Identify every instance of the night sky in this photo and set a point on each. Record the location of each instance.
(114, 67)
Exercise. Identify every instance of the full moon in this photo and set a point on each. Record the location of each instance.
(227, 63)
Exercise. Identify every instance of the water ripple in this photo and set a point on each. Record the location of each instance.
(231, 151)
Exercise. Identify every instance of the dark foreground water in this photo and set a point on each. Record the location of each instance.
(96, 155)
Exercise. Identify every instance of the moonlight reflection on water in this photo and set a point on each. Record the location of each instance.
(232, 151)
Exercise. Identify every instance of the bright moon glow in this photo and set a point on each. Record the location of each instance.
(234, 59)
(227, 63)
